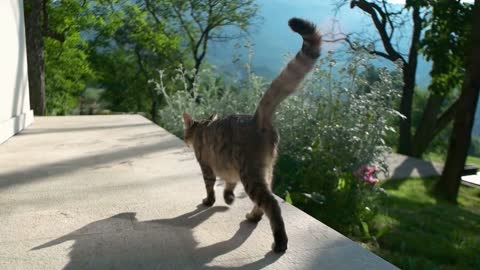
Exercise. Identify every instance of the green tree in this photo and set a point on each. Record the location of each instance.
(203, 21)
(57, 62)
(441, 22)
(387, 21)
(128, 46)
(67, 67)
(445, 44)
(448, 185)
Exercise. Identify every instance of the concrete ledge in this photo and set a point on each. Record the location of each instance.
(119, 192)
(14, 125)
(471, 180)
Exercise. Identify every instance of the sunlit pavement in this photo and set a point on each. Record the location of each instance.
(118, 192)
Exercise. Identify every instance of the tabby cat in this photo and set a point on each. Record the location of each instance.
(244, 147)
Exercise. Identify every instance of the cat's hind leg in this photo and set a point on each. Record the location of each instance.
(257, 189)
(228, 195)
(209, 179)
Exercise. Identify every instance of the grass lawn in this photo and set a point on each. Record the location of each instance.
(473, 160)
(441, 159)
(414, 231)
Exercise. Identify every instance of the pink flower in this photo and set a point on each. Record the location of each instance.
(371, 170)
(372, 180)
(366, 173)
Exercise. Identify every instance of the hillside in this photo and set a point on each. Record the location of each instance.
(272, 39)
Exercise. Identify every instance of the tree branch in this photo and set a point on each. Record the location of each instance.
(183, 24)
(417, 30)
(194, 17)
(373, 9)
(362, 47)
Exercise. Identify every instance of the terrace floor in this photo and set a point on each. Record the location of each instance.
(118, 192)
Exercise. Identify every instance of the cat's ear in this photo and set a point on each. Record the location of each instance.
(213, 117)
(187, 120)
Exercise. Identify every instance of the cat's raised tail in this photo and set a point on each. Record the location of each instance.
(291, 76)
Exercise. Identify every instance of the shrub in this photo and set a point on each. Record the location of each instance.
(210, 97)
(335, 124)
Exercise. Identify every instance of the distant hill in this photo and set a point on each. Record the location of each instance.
(272, 39)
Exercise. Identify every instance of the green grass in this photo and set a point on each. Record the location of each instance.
(473, 160)
(435, 157)
(414, 231)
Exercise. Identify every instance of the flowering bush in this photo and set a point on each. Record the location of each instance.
(337, 137)
(332, 134)
(210, 96)
(367, 174)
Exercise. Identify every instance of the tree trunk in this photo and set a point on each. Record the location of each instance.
(190, 82)
(154, 110)
(449, 183)
(405, 139)
(35, 55)
(426, 127)
(409, 73)
(191, 79)
(432, 123)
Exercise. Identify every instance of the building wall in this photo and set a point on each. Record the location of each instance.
(15, 113)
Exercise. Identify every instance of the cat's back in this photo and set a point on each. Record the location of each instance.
(230, 142)
(242, 131)
(237, 122)
(235, 128)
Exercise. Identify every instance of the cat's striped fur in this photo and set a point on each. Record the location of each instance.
(244, 148)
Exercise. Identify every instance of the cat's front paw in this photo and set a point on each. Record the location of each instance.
(208, 201)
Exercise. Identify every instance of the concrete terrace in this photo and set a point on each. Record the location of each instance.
(118, 192)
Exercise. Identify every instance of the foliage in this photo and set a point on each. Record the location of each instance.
(440, 32)
(203, 21)
(67, 72)
(67, 67)
(127, 45)
(222, 99)
(123, 42)
(388, 20)
(448, 185)
(344, 122)
(446, 43)
(418, 232)
(328, 130)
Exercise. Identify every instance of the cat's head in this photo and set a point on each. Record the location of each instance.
(191, 126)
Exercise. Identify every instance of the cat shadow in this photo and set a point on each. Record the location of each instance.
(124, 242)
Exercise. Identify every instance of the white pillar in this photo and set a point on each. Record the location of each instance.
(15, 113)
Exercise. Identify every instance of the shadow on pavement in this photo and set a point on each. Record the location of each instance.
(123, 242)
(44, 171)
